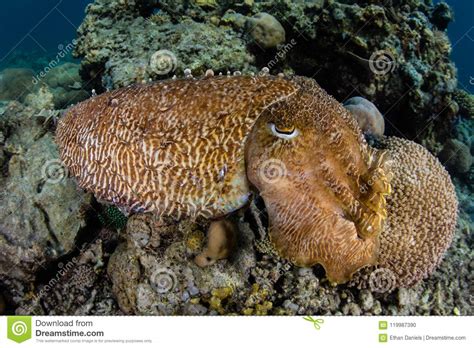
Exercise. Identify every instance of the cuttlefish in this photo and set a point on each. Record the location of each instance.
(198, 148)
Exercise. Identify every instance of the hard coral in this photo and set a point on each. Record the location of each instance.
(368, 117)
(266, 30)
(465, 102)
(421, 214)
(113, 60)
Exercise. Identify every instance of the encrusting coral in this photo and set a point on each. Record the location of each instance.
(465, 102)
(324, 187)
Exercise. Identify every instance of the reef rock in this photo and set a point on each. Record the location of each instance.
(41, 210)
(131, 41)
(403, 55)
(159, 277)
(16, 84)
(65, 84)
(456, 155)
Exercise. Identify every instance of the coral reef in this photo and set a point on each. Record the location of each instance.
(465, 102)
(164, 280)
(214, 47)
(59, 88)
(159, 277)
(252, 281)
(463, 131)
(78, 287)
(400, 47)
(65, 84)
(441, 15)
(34, 59)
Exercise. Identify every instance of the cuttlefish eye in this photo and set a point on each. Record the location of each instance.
(283, 132)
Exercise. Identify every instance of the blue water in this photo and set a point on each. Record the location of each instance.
(38, 27)
(461, 33)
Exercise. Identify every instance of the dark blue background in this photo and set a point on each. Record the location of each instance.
(461, 33)
(48, 22)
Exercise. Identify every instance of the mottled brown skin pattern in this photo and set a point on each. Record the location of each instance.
(329, 205)
(188, 149)
(174, 148)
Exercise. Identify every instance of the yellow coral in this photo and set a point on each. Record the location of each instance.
(195, 240)
(218, 295)
(258, 303)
